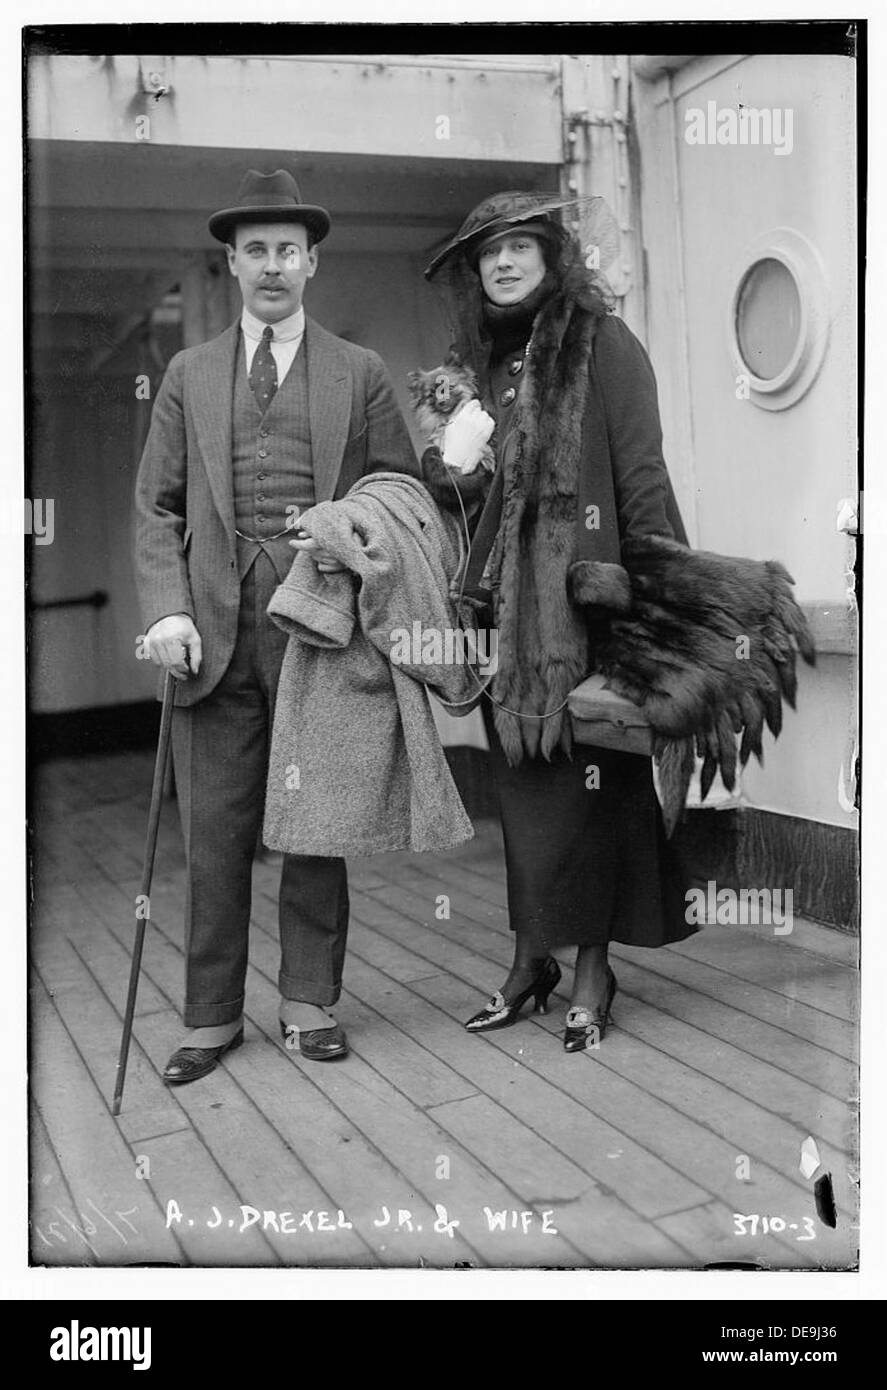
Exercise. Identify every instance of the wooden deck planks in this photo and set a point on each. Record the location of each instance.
(763, 1080)
(685, 1145)
(758, 1039)
(730, 1043)
(53, 1210)
(797, 976)
(513, 1246)
(595, 1223)
(712, 1228)
(336, 1166)
(263, 1170)
(646, 1184)
(98, 1165)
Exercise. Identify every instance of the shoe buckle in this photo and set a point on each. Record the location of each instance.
(581, 1018)
(577, 1017)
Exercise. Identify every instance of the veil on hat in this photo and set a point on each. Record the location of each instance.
(592, 222)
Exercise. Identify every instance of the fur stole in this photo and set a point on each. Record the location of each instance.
(543, 637)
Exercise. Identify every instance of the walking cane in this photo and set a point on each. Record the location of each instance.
(142, 917)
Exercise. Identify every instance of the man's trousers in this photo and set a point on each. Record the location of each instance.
(220, 752)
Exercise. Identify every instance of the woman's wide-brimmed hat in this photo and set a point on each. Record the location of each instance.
(499, 214)
(269, 198)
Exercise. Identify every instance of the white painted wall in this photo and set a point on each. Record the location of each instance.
(755, 482)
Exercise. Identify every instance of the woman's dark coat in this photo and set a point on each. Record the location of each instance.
(591, 570)
(585, 866)
(585, 474)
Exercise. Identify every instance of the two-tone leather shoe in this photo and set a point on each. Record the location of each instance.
(317, 1044)
(190, 1063)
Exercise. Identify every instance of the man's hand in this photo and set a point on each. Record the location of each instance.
(170, 641)
(465, 437)
(325, 562)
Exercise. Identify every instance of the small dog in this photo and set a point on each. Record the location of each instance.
(439, 395)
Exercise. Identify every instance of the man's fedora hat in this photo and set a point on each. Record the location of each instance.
(269, 198)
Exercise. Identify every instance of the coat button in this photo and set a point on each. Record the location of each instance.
(264, 432)
(263, 453)
(507, 396)
(260, 520)
(515, 366)
(260, 497)
(261, 477)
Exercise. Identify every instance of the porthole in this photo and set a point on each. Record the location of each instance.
(768, 318)
(778, 319)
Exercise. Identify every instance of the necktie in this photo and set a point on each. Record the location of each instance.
(263, 371)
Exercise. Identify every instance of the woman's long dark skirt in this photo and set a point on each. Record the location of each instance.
(587, 866)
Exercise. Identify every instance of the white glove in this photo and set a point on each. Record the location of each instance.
(465, 437)
(168, 642)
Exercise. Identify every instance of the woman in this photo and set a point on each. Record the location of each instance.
(579, 470)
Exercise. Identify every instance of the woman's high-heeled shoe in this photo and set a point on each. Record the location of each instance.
(499, 1013)
(586, 1029)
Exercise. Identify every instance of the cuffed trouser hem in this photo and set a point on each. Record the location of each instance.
(304, 991)
(212, 1034)
(205, 1015)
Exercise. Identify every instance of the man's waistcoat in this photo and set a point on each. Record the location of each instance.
(272, 462)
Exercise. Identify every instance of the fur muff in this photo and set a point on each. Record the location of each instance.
(708, 650)
(595, 583)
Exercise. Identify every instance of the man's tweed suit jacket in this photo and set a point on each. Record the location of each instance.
(185, 542)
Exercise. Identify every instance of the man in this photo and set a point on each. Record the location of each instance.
(248, 430)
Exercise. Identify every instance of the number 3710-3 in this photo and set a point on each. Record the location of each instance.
(772, 1225)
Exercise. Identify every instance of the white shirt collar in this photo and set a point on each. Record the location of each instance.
(285, 330)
